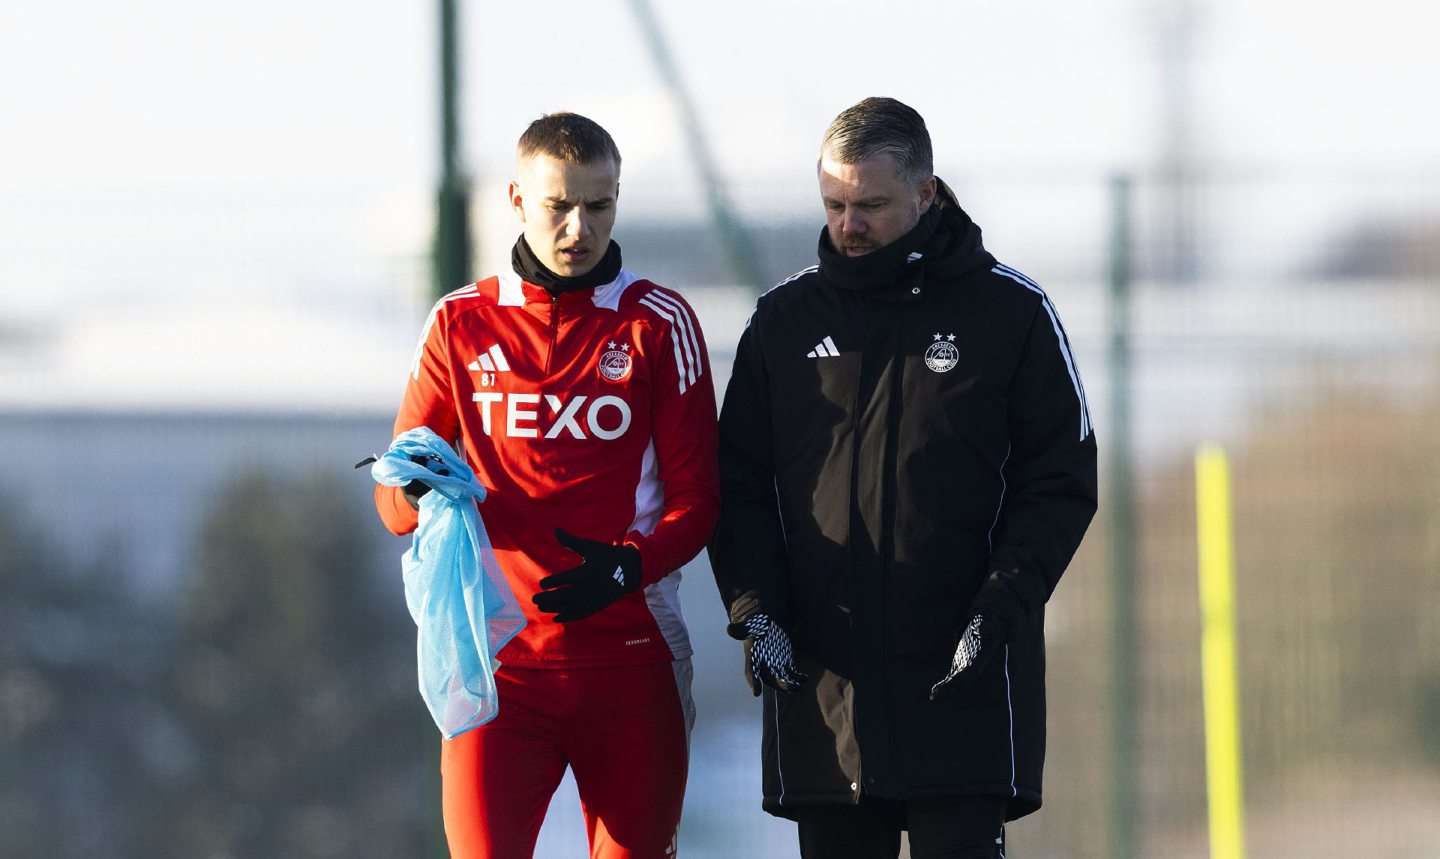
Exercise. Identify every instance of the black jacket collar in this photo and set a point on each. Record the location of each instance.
(944, 244)
(879, 268)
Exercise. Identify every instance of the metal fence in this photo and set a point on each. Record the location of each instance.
(1294, 319)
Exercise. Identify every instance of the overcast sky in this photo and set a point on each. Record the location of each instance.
(167, 157)
(100, 93)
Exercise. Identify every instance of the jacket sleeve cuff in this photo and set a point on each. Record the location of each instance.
(744, 607)
(398, 516)
(1002, 598)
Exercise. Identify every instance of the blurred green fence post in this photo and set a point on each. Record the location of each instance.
(450, 260)
(1119, 506)
(451, 254)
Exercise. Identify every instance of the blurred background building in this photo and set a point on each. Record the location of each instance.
(216, 235)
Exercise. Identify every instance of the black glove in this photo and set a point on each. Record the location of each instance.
(608, 572)
(416, 489)
(978, 643)
(769, 656)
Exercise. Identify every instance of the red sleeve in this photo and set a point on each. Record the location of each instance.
(683, 427)
(427, 402)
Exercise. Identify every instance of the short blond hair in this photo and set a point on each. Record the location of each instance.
(568, 137)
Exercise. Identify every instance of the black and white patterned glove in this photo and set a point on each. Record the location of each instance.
(978, 643)
(769, 656)
(607, 573)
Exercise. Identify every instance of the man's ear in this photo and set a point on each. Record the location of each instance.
(927, 194)
(517, 202)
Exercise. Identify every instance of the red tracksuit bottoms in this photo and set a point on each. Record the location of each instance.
(623, 731)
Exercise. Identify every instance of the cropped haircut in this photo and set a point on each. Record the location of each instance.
(568, 137)
(879, 125)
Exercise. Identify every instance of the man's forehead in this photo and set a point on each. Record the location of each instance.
(574, 194)
(876, 176)
(561, 180)
(549, 165)
(879, 165)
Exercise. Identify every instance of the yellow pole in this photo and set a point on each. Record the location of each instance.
(1217, 653)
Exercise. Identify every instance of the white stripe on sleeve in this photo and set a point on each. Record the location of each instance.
(1060, 337)
(688, 328)
(463, 292)
(680, 367)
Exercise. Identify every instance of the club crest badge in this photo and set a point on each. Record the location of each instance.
(942, 356)
(615, 362)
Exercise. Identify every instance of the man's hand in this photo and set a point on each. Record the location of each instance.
(416, 489)
(769, 656)
(978, 643)
(606, 574)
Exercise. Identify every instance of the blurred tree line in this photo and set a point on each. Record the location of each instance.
(271, 712)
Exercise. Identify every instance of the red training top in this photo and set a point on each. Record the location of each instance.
(593, 412)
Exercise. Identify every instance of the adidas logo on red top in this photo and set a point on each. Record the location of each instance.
(491, 360)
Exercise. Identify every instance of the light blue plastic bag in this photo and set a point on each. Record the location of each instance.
(462, 605)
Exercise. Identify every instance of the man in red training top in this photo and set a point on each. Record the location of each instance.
(581, 395)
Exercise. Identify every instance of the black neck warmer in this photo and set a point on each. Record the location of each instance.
(529, 267)
(878, 268)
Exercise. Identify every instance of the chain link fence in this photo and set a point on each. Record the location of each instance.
(1294, 318)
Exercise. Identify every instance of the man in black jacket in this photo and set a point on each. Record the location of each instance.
(907, 466)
